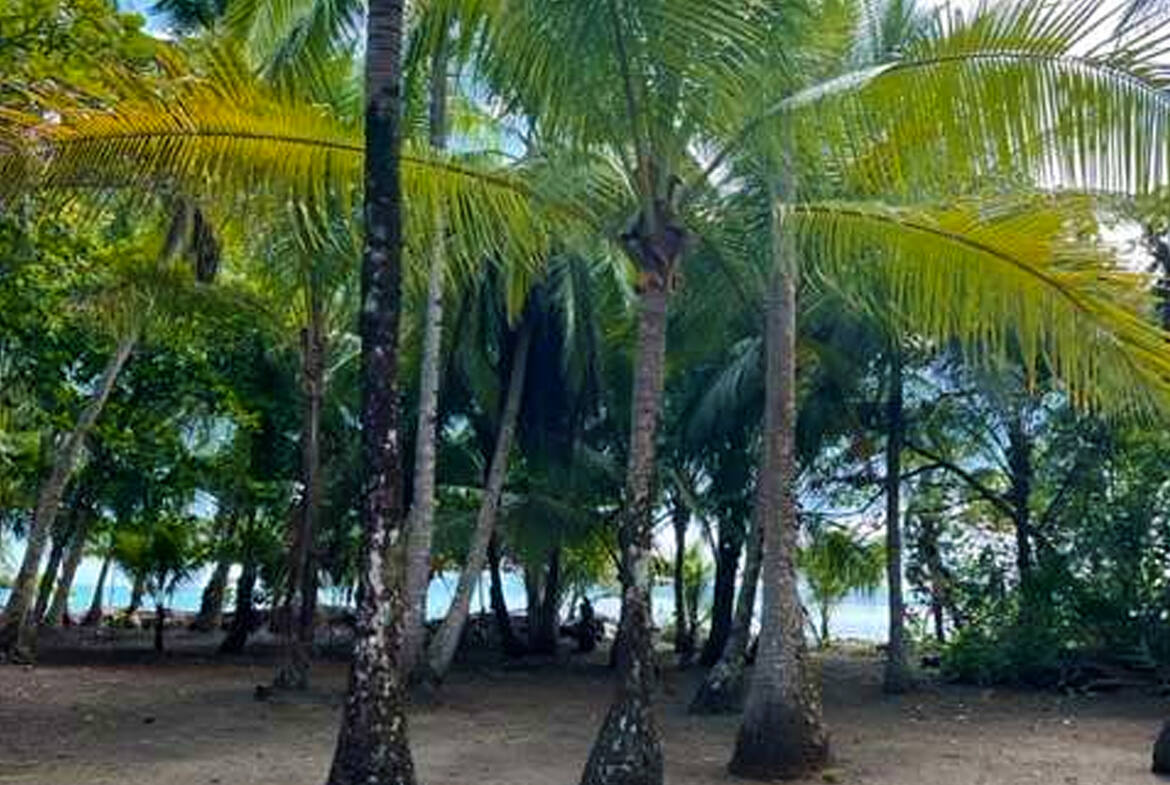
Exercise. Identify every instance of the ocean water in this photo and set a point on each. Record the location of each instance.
(859, 616)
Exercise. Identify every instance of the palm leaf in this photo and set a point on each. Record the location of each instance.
(226, 136)
(1006, 281)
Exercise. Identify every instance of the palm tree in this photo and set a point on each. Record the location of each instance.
(836, 562)
(372, 745)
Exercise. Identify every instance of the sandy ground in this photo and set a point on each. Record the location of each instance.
(191, 720)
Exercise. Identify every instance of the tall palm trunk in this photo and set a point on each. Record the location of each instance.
(897, 672)
(627, 750)
(684, 635)
(16, 632)
(59, 607)
(723, 599)
(93, 616)
(372, 742)
(782, 734)
(722, 690)
(297, 616)
(442, 649)
(1020, 462)
(544, 608)
(422, 511)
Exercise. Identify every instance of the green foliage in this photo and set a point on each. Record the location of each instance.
(835, 562)
(161, 551)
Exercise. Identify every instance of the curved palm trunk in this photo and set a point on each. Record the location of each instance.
(242, 621)
(781, 736)
(372, 743)
(17, 638)
(422, 511)
(897, 671)
(627, 750)
(136, 593)
(59, 608)
(93, 616)
(211, 602)
(442, 649)
(722, 690)
(511, 643)
(60, 542)
(297, 614)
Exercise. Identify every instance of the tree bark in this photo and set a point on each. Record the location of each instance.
(422, 511)
(543, 634)
(782, 735)
(59, 607)
(896, 678)
(627, 750)
(1019, 494)
(442, 649)
(211, 603)
(684, 636)
(17, 636)
(723, 602)
(372, 742)
(297, 616)
(160, 621)
(242, 622)
(722, 691)
(61, 539)
(93, 616)
(508, 639)
(136, 592)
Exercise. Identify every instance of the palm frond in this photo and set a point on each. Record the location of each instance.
(226, 136)
(1012, 90)
(1009, 280)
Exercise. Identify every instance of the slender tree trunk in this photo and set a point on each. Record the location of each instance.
(722, 691)
(160, 621)
(533, 590)
(824, 612)
(211, 603)
(1020, 462)
(511, 644)
(136, 591)
(723, 602)
(936, 573)
(61, 539)
(684, 636)
(93, 616)
(544, 632)
(372, 743)
(897, 671)
(627, 750)
(422, 512)
(17, 639)
(296, 621)
(446, 642)
(782, 736)
(244, 615)
(59, 607)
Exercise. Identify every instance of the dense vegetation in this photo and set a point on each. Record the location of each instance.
(829, 293)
